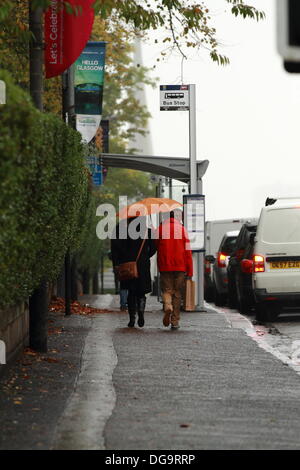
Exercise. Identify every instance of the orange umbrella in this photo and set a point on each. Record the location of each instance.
(150, 205)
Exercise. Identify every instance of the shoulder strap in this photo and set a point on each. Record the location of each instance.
(141, 247)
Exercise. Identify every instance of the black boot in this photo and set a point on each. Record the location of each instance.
(141, 304)
(131, 303)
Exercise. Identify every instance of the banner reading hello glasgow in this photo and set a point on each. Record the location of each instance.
(88, 83)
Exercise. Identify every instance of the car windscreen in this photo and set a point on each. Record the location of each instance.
(228, 245)
(282, 226)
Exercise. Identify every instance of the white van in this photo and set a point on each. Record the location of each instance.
(276, 257)
(216, 229)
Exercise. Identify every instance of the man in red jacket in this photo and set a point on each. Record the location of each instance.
(174, 260)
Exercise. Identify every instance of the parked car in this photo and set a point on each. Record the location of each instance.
(245, 293)
(208, 281)
(276, 258)
(240, 292)
(214, 232)
(220, 280)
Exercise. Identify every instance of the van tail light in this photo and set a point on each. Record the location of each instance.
(222, 260)
(247, 266)
(258, 263)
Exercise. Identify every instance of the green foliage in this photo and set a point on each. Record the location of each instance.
(119, 182)
(43, 194)
(88, 257)
(5, 10)
(123, 79)
(131, 183)
(187, 23)
(127, 117)
(246, 11)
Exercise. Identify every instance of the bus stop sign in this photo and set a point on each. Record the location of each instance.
(174, 98)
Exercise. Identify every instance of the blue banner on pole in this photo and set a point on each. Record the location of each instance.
(96, 170)
(88, 79)
(98, 176)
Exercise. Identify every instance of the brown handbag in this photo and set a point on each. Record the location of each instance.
(129, 270)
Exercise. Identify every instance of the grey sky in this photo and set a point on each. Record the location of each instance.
(247, 116)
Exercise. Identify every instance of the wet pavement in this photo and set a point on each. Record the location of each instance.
(209, 385)
(35, 390)
(281, 337)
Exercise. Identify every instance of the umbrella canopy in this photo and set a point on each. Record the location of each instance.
(150, 205)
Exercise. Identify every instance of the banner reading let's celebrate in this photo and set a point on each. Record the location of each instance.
(66, 34)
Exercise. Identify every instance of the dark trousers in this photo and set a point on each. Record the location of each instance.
(134, 300)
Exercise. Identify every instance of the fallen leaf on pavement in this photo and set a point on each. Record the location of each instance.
(50, 359)
(55, 331)
(58, 305)
(30, 352)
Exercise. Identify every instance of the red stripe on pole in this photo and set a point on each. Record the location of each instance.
(66, 34)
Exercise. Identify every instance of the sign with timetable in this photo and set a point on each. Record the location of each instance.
(194, 220)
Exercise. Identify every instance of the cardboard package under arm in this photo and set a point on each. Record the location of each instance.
(189, 296)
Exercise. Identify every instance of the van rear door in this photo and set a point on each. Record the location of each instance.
(279, 243)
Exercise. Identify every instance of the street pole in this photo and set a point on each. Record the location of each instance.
(67, 115)
(192, 139)
(195, 188)
(170, 189)
(38, 301)
(102, 273)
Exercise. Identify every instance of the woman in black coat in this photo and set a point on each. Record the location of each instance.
(127, 249)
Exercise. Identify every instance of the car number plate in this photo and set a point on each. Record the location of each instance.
(285, 264)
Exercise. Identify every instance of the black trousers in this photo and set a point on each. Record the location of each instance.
(136, 301)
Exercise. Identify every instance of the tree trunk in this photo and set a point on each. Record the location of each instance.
(116, 281)
(68, 283)
(96, 283)
(67, 110)
(74, 276)
(38, 310)
(60, 283)
(86, 282)
(38, 302)
(36, 56)
(102, 273)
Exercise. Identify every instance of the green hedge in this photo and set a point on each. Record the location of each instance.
(89, 256)
(43, 194)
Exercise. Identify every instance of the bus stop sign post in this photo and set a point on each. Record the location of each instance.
(183, 98)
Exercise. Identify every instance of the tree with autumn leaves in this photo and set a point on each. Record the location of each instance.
(188, 25)
(126, 116)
